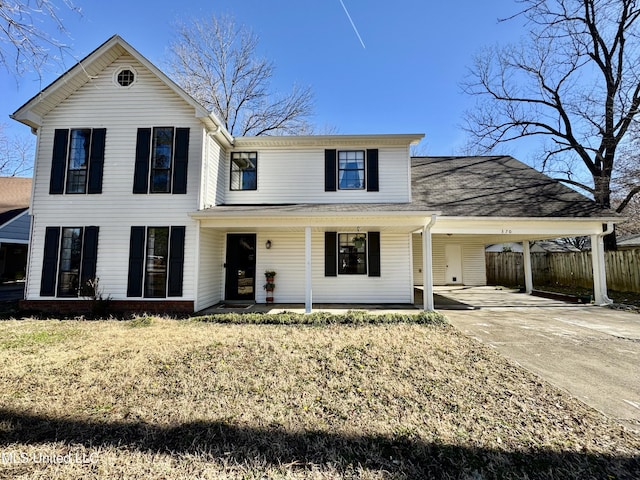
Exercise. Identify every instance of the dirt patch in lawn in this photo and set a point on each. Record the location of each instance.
(621, 300)
(180, 399)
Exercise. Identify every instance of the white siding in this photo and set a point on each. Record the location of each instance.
(296, 175)
(100, 103)
(418, 277)
(393, 286)
(211, 271)
(286, 258)
(213, 174)
(473, 260)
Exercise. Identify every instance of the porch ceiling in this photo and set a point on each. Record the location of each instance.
(507, 229)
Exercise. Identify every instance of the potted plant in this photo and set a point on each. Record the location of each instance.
(359, 241)
(270, 285)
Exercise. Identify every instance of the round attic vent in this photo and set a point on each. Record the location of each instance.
(125, 77)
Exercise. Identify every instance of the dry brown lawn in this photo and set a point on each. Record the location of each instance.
(161, 398)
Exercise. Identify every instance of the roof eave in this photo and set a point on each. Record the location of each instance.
(204, 214)
(266, 141)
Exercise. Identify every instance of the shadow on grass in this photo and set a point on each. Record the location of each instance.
(402, 457)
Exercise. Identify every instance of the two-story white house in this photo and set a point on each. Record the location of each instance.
(137, 184)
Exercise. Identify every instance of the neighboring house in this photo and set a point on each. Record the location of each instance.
(628, 242)
(15, 193)
(137, 184)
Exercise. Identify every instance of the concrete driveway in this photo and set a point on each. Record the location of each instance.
(592, 352)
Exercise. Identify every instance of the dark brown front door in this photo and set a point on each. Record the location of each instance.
(241, 266)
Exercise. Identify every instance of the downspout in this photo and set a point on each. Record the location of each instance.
(600, 287)
(427, 270)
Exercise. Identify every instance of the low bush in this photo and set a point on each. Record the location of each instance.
(352, 317)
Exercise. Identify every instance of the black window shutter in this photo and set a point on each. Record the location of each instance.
(136, 262)
(329, 170)
(372, 170)
(59, 161)
(96, 160)
(89, 257)
(50, 262)
(143, 151)
(374, 254)
(330, 254)
(176, 261)
(180, 161)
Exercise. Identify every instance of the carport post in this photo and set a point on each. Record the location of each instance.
(427, 272)
(599, 268)
(528, 275)
(308, 294)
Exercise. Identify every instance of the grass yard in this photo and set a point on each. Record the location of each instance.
(160, 399)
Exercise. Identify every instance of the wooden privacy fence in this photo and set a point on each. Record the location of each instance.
(570, 269)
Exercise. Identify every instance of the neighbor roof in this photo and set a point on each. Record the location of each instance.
(632, 240)
(15, 195)
(495, 186)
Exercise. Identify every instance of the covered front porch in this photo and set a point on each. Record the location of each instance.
(314, 255)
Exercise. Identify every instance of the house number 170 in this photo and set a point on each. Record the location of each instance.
(507, 230)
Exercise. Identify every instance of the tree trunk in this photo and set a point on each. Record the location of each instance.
(602, 196)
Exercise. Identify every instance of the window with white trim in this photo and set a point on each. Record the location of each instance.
(352, 254)
(351, 168)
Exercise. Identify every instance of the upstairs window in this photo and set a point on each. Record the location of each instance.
(78, 160)
(78, 163)
(162, 155)
(351, 170)
(244, 171)
(161, 160)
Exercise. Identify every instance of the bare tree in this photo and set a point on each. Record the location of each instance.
(25, 41)
(16, 154)
(217, 63)
(626, 181)
(574, 80)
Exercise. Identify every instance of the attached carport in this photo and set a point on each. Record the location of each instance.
(487, 200)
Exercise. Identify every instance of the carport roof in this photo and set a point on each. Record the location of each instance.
(495, 186)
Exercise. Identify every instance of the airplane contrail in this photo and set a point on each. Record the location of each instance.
(355, 29)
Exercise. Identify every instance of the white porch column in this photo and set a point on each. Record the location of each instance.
(427, 272)
(308, 297)
(528, 274)
(599, 271)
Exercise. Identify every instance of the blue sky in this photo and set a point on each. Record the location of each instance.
(406, 80)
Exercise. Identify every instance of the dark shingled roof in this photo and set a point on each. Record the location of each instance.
(15, 194)
(499, 186)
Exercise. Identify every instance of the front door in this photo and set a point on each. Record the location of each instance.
(453, 260)
(241, 266)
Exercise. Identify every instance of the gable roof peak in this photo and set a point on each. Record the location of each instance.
(33, 111)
